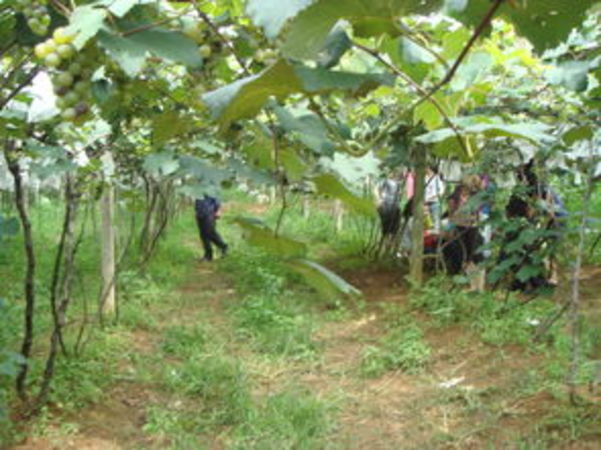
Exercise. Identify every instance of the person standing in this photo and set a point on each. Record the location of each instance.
(207, 213)
(433, 195)
(388, 195)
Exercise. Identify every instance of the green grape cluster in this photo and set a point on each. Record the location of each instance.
(36, 14)
(71, 72)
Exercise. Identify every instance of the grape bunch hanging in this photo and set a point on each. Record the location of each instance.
(70, 73)
(36, 15)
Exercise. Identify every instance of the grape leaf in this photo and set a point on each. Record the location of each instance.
(168, 125)
(322, 279)
(579, 133)
(336, 45)
(260, 235)
(546, 23)
(271, 15)
(170, 45)
(329, 184)
(161, 164)
(119, 7)
(245, 97)
(571, 74)
(309, 29)
(129, 55)
(309, 128)
(85, 22)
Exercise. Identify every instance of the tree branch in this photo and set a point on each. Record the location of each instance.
(62, 9)
(8, 47)
(420, 90)
(18, 88)
(148, 26)
(225, 42)
(475, 35)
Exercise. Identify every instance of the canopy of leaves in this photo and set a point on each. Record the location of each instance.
(545, 23)
(244, 98)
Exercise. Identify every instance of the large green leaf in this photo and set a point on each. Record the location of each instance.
(309, 29)
(119, 7)
(322, 81)
(7, 28)
(308, 127)
(259, 152)
(546, 23)
(579, 133)
(161, 164)
(271, 15)
(431, 116)
(328, 184)
(336, 45)
(292, 163)
(535, 132)
(128, 54)
(170, 45)
(260, 235)
(322, 279)
(85, 22)
(571, 74)
(472, 70)
(352, 169)
(245, 97)
(202, 170)
(168, 125)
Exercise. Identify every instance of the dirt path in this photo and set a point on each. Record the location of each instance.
(471, 395)
(118, 421)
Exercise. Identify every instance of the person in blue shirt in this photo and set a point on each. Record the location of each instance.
(207, 213)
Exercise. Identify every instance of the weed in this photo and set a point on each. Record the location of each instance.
(293, 419)
(220, 384)
(83, 379)
(274, 326)
(401, 348)
(185, 342)
(443, 302)
(566, 427)
(179, 427)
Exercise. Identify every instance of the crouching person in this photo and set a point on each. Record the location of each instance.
(462, 239)
(207, 213)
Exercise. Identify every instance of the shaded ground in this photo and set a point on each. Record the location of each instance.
(471, 395)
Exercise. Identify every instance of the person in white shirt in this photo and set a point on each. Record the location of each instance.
(433, 196)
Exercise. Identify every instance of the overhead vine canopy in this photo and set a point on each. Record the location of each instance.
(277, 91)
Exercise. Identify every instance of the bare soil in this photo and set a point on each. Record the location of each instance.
(468, 398)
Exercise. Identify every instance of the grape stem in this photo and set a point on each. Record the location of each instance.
(475, 35)
(21, 85)
(148, 26)
(61, 8)
(8, 47)
(425, 94)
(225, 42)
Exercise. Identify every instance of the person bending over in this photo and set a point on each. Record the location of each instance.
(207, 213)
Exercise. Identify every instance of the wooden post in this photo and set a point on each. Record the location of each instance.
(306, 207)
(107, 300)
(338, 215)
(417, 234)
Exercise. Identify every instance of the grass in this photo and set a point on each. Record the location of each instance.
(401, 348)
(291, 419)
(81, 379)
(251, 370)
